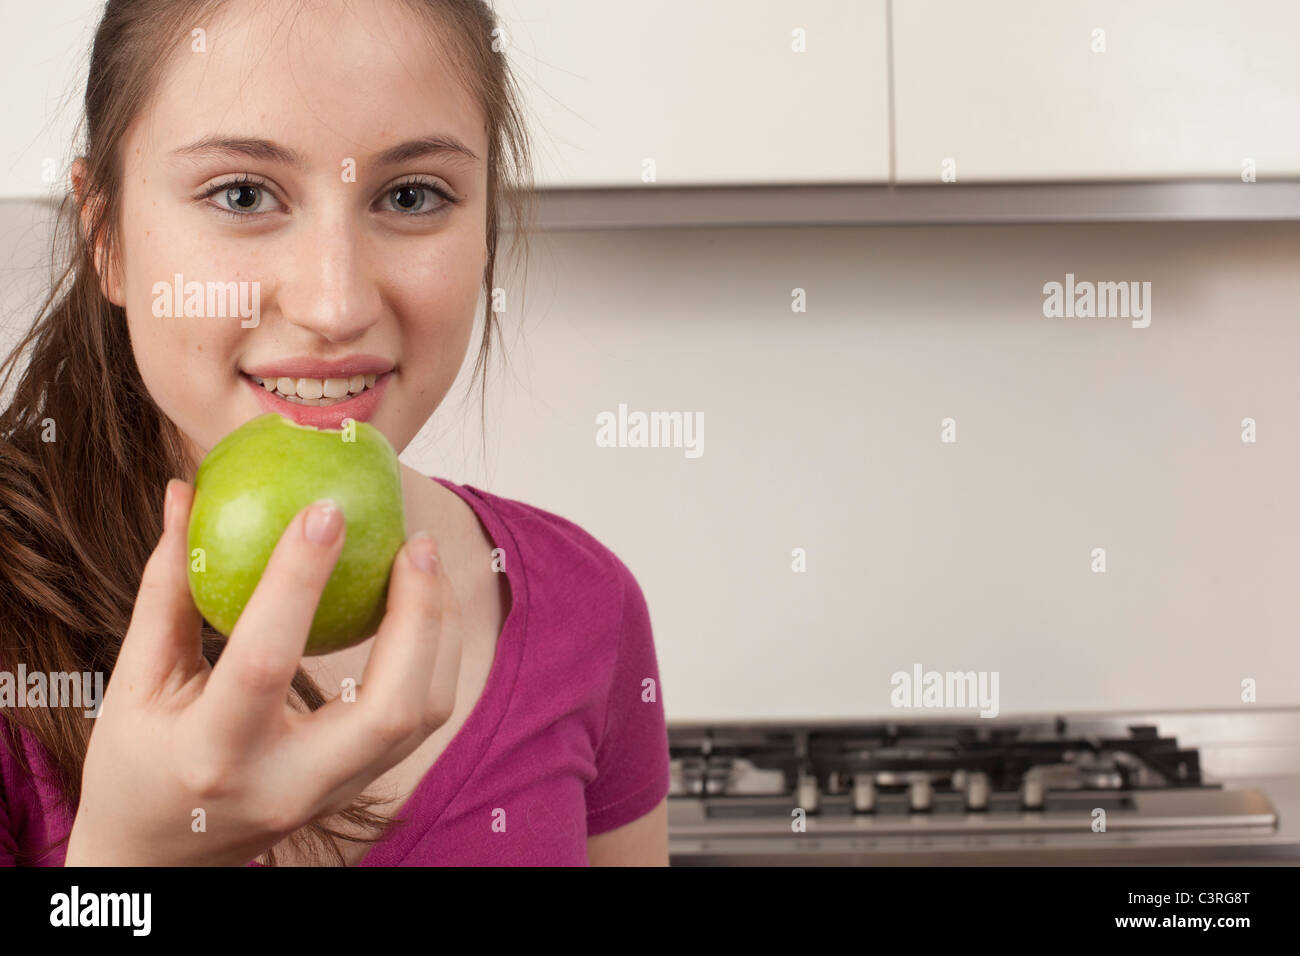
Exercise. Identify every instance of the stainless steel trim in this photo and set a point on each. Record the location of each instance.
(656, 206)
(1188, 853)
(1239, 812)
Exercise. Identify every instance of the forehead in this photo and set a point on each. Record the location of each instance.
(328, 79)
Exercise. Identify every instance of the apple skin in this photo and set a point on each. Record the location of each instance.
(249, 488)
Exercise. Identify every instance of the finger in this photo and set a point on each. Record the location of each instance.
(409, 683)
(416, 650)
(163, 638)
(249, 685)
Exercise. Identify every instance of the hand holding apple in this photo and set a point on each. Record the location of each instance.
(226, 737)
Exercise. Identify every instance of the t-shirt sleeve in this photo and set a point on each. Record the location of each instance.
(632, 768)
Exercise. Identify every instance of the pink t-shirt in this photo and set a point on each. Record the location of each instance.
(568, 739)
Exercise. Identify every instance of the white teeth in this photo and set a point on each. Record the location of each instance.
(316, 391)
(335, 387)
(310, 388)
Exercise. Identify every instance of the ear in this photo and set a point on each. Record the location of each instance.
(110, 284)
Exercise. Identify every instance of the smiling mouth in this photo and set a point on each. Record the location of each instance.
(320, 392)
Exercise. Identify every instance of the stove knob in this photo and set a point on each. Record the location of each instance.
(715, 781)
(676, 779)
(693, 777)
(1031, 793)
(807, 795)
(919, 794)
(977, 791)
(864, 793)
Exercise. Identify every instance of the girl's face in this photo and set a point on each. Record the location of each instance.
(282, 220)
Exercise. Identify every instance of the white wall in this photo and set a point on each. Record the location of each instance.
(822, 432)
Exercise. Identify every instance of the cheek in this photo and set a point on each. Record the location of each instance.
(189, 344)
(186, 362)
(165, 266)
(440, 299)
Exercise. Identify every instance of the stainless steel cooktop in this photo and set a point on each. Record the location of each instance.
(1058, 789)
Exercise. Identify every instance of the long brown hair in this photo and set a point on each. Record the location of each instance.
(85, 452)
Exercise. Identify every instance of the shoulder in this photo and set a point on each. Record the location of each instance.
(587, 620)
(552, 543)
(578, 593)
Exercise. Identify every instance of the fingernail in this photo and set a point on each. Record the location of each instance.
(422, 552)
(324, 522)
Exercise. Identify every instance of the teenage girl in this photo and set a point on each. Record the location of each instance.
(353, 164)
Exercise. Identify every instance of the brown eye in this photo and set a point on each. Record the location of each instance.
(241, 197)
(408, 198)
(418, 197)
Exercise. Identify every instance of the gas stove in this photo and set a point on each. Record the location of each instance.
(1052, 789)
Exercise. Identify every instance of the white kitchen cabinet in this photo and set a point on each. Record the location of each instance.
(712, 93)
(43, 52)
(1019, 90)
(709, 91)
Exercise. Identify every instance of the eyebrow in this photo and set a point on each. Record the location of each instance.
(437, 144)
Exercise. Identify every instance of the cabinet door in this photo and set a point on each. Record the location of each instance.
(43, 54)
(711, 92)
(1096, 89)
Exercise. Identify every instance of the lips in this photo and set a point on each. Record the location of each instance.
(358, 406)
(319, 392)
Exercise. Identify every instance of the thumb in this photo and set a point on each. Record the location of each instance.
(163, 639)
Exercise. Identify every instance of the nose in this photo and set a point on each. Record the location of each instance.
(326, 284)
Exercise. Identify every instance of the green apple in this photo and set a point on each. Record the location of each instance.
(252, 484)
